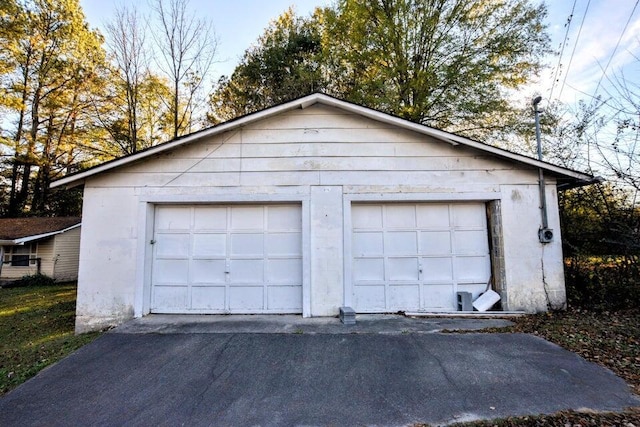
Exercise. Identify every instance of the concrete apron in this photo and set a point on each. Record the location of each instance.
(295, 324)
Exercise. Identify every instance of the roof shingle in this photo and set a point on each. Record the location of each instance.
(16, 228)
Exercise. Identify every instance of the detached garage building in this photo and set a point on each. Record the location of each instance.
(313, 205)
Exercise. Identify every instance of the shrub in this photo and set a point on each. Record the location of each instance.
(602, 283)
(31, 280)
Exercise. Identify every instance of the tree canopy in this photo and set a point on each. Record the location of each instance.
(283, 65)
(451, 64)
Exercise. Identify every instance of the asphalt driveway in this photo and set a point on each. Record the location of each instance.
(310, 379)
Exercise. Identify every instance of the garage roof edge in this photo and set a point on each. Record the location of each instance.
(78, 178)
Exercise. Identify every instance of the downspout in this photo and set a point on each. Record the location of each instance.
(545, 234)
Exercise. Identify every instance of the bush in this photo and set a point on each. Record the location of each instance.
(31, 280)
(602, 283)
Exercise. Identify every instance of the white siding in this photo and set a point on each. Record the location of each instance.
(320, 154)
(44, 249)
(66, 254)
(46, 255)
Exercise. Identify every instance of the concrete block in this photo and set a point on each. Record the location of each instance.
(465, 302)
(347, 315)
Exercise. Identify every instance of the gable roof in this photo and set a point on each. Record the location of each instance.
(566, 177)
(21, 230)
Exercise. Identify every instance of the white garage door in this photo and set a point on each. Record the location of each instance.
(227, 259)
(417, 256)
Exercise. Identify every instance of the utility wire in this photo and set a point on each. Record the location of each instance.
(604, 72)
(575, 45)
(564, 43)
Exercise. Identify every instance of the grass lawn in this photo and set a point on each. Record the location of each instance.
(36, 330)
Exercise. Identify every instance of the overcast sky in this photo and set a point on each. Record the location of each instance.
(238, 24)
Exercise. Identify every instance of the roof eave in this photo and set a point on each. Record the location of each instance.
(307, 101)
(79, 178)
(27, 239)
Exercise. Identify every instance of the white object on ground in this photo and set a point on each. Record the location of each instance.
(487, 300)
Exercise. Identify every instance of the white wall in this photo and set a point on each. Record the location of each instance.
(534, 271)
(319, 154)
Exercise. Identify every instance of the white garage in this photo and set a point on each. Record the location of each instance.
(227, 259)
(415, 257)
(314, 205)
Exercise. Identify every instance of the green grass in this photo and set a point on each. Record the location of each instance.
(36, 330)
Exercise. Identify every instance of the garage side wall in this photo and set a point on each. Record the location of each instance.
(534, 271)
(107, 272)
(324, 157)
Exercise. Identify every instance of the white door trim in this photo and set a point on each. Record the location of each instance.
(146, 210)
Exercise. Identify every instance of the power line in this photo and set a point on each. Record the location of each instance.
(564, 43)
(604, 72)
(575, 45)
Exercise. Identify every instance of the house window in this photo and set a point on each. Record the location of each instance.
(20, 256)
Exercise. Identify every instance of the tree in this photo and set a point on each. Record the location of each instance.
(54, 59)
(112, 115)
(126, 42)
(283, 65)
(444, 63)
(451, 64)
(186, 51)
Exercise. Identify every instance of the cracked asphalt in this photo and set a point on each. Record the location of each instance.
(202, 379)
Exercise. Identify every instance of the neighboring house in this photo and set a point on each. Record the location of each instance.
(313, 205)
(49, 246)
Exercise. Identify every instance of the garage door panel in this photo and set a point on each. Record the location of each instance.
(435, 243)
(247, 218)
(368, 243)
(282, 218)
(210, 218)
(284, 271)
(438, 297)
(401, 243)
(247, 271)
(209, 245)
(469, 215)
(369, 298)
(366, 217)
(208, 271)
(284, 244)
(208, 297)
(171, 271)
(404, 297)
(471, 242)
(472, 269)
(173, 218)
(433, 216)
(400, 216)
(403, 269)
(285, 298)
(247, 244)
(246, 298)
(437, 269)
(368, 269)
(170, 297)
(172, 245)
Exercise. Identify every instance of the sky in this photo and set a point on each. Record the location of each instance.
(239, 23)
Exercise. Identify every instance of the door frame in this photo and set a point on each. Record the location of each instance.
(146, 222)
(350, 199)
